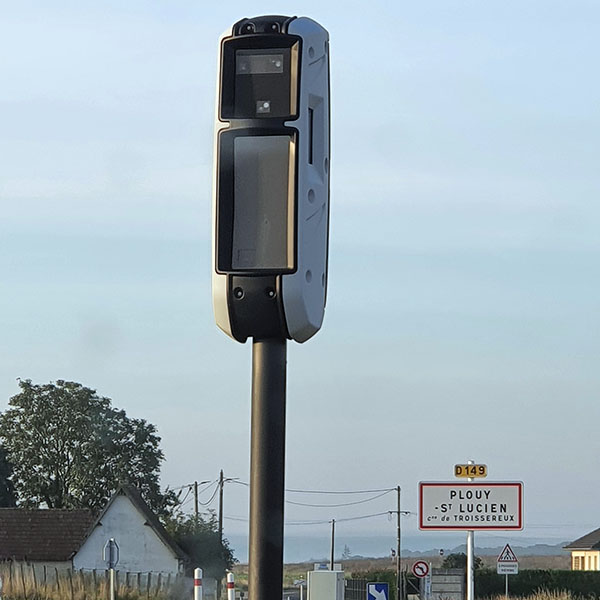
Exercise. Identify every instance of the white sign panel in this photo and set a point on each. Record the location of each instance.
(471, 506)
(508, 563)
(506, 568)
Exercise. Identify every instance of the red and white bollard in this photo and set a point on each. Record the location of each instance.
(230, 587)
(197, 584)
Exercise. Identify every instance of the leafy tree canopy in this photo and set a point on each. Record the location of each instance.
(199, 537)
(71, 449)
(7, 488)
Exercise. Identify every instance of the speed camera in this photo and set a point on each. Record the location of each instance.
(271, 179)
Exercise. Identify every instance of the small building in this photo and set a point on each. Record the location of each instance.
(48, 538)
(75, 539)
(585, 552)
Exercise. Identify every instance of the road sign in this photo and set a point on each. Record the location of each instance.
(470, 470)
(427, 582)
(507, 568)
(420, 568)
(508, 564)
(378, 591)
(471, 506)
(507, 555)
(110, 553)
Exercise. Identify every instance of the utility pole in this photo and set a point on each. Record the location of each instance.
(221, 481)
(332, 544)
(196, 500)
(220, 526)
(399, 586)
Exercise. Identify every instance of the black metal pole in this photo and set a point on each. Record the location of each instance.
(267, 469)
(332, 544)
(399, 590)
(220, 528)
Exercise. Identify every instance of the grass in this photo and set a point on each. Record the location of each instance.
(543, 595)
(23, 582)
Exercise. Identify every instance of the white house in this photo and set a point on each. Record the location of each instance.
(144, 545)
(62, 539)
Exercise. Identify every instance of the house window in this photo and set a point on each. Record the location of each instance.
(576, 563)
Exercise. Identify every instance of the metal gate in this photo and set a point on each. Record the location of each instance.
(356, 589)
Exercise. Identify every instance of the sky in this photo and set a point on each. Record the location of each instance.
(462, 318)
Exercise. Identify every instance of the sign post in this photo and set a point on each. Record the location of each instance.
(507, 564)
(470, 506)
(111, 557)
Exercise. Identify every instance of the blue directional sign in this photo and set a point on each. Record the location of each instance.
(378, 591)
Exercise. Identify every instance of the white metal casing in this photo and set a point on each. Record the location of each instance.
(219, 280)
(303, 291)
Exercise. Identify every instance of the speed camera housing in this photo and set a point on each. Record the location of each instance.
(271, 179)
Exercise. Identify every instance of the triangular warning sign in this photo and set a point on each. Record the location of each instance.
(507, 555)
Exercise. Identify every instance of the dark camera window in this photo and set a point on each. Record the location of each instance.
(260, 82)
(250, 62)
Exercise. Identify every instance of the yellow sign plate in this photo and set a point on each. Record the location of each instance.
(470, 470)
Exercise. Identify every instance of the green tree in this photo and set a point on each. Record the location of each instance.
(199, 537)
(458, 560)
(7, 488)
(70, 449)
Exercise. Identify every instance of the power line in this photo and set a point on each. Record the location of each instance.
(338, 505)
(216, 490)
(317, 522)
(189, 485)
(295, 491)
(385, 490)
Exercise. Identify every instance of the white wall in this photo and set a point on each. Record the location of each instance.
(141, 550)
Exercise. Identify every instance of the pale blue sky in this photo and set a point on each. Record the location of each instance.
(462, 318)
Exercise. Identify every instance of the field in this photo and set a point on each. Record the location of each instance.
(296, 571)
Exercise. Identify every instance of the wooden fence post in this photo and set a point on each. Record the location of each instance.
(23, 581)
(70, 571)
(82, 582)
(148, 584)
(57, 580)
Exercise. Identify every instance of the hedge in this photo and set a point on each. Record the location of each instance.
(526, 582)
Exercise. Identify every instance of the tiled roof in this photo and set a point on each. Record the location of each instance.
(42, 534)
(590, 541)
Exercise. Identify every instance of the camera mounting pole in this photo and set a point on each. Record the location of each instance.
(267, 469)
(271, 235)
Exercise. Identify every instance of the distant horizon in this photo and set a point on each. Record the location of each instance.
(300, 549)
